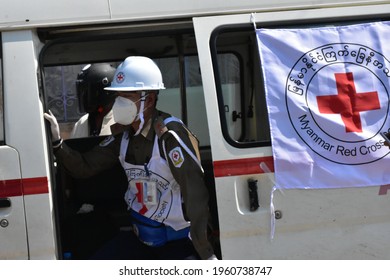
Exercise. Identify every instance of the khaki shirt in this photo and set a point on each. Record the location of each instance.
(189, 175)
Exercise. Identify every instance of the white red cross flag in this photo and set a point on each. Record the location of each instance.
(327, 92)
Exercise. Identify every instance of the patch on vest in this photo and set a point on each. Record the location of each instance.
(176, 156)
(107, 141)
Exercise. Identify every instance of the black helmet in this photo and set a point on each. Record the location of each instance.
(90, 85)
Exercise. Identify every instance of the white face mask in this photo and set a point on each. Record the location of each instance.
(124, 111)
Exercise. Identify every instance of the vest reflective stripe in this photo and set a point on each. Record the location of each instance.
(181, 142)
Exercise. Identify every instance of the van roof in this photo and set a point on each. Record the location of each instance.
(21, 14)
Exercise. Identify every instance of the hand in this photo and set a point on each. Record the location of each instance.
(54, 127)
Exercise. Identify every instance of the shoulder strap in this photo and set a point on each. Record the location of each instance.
(173, 119)
(178, 139)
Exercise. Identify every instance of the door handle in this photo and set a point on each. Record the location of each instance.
(253, 195)
(5, 203)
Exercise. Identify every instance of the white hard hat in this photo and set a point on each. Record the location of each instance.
(137, 73)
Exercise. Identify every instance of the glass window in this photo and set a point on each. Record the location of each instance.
(195, 103)
(1, 105)
(60, 85)
(169, 99)
(240, 89)
(229, 71)
(184, 95)
(61, 89)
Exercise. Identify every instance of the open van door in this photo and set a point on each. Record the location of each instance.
(256, 221)
(242, 188)
(13, 239)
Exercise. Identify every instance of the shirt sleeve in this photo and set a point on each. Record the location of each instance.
(90, 163)
(189, 175)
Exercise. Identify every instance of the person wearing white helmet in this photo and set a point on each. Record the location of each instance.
(167, 197)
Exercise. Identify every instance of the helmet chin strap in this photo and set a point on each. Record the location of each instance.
(141, 114)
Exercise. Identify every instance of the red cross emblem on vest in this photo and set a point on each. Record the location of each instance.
(140, 197)
(348, 102)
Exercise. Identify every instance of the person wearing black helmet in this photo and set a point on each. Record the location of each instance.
(94, 100)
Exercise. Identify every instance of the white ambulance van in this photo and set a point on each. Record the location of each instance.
(208, 55)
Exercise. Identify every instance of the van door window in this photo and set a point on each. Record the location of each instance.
(229, 74)
(241, 97)
(1, 105)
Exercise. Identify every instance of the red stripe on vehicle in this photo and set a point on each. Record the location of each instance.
(38, 185)
(244, 166)
(11, 188)
(27, 186)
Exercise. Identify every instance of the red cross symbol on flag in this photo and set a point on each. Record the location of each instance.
(348, 102)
